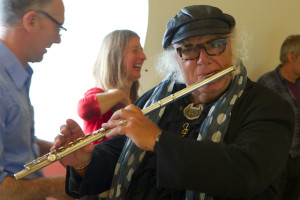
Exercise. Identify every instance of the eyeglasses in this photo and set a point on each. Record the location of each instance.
(52, 19)
(212, 48)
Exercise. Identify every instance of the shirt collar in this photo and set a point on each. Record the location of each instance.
(279, 73)
(14, 68)
(282, 78)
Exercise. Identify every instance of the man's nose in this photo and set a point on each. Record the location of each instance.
(203, 57)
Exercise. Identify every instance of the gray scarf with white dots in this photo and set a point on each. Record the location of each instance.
(213, 128)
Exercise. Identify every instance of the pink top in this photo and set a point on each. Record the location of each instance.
(88, 109)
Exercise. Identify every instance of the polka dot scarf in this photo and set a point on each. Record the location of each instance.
(213, 128)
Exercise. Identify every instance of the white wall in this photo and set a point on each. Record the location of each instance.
(65, 73)
(268, 21)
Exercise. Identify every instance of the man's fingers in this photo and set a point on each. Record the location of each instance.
(74, 127)
(114, 123)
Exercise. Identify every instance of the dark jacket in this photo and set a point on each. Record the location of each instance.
(246, 165)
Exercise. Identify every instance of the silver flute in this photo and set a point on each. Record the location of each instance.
(61, 152)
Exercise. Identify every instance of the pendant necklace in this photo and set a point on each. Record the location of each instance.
(185, 129)
(191, 112)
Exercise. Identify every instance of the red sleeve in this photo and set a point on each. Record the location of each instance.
(88, 107)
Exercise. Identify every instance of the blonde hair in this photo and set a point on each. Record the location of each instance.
(108, 71)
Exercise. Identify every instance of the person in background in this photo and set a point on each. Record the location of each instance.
(226, 140)
(27, 29)
(285, 81)
(116, 72)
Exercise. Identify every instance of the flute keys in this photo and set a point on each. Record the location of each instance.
(51, 157)
(71, 144)
(60, 149)
(28, 165)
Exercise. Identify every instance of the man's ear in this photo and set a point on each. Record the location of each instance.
(290, 57)
(31, 21)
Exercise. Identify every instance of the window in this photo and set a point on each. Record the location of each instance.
(65, 73)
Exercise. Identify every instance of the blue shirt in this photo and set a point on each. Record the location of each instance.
(279, 84)
(17, 140)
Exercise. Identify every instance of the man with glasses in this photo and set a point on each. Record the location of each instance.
(27, 29)
(226, 140)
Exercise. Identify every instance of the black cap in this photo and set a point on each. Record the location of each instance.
(197, 20)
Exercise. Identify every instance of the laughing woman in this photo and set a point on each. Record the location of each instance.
(116, 72)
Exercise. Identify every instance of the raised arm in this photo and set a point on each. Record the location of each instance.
(97, 102)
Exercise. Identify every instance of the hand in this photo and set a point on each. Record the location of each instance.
(69, 133)
(139, 129)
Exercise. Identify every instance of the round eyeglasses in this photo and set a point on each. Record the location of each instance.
(212, 48)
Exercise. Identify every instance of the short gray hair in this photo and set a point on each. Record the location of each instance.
(290, 45)
(11, 11)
